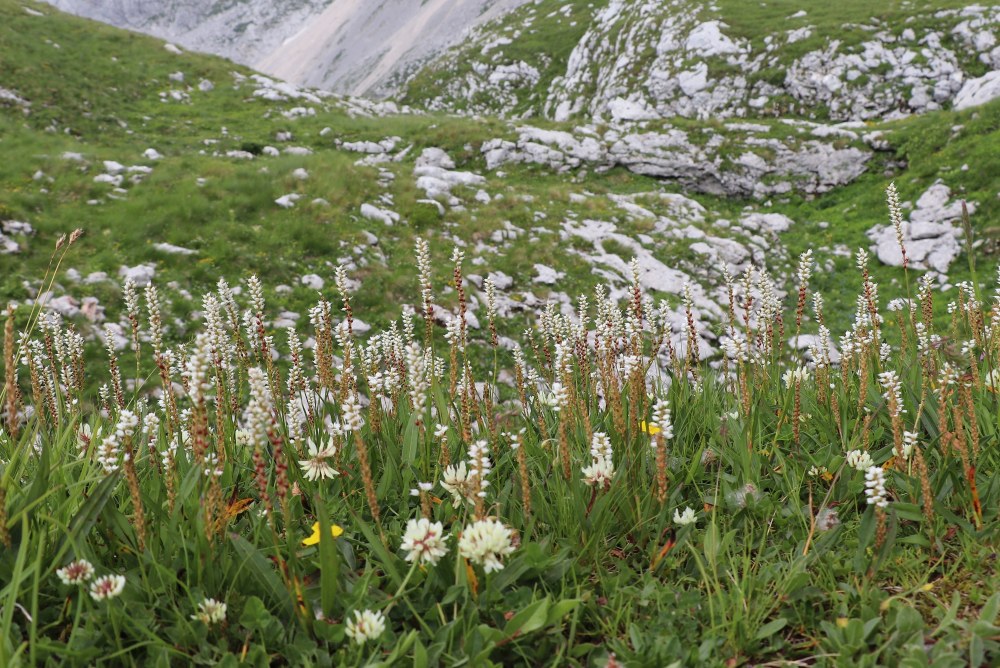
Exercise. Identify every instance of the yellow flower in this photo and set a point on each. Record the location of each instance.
(650, 429)
(314, 538)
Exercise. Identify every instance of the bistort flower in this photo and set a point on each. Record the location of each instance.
(875, 487)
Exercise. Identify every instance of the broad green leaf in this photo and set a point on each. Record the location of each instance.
(771, 628)
(530, 619)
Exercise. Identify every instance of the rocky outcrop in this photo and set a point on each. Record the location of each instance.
(978, 91)
(931, 237)
(757, 166)
(650, 59)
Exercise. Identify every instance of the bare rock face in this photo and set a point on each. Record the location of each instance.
(931, 236)
(347, 46)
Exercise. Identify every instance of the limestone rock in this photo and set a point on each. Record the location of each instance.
(312, 281)
(978, 91)
(141, 274)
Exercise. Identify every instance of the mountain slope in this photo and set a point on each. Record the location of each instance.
(247, 174)
(348, 46)
(635, 60)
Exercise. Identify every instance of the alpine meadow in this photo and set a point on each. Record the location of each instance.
(522, 333)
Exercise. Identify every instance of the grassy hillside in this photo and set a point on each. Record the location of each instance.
(105, 94)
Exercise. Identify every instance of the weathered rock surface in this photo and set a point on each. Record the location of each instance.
(979, 90)
(764, 166)
(645, 59)
(931, 236)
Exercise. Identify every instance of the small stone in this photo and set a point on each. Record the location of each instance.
(547, 275)
(287, 201)
(171, 249)
(312, 281)
(142, 274)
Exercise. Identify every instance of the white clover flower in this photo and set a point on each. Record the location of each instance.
(826, 519)
(556, 399)
(210, 611)
(107, 586)
(599, 473)
(455, 481)
(76, 572)
(315, 467)
(799, 374)
(486, 542)
(366, 625)
(875, 487)
(859, 460)
(817, 471)
(686, 517)
(748, 493)
(85, 435)
(424, 541)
